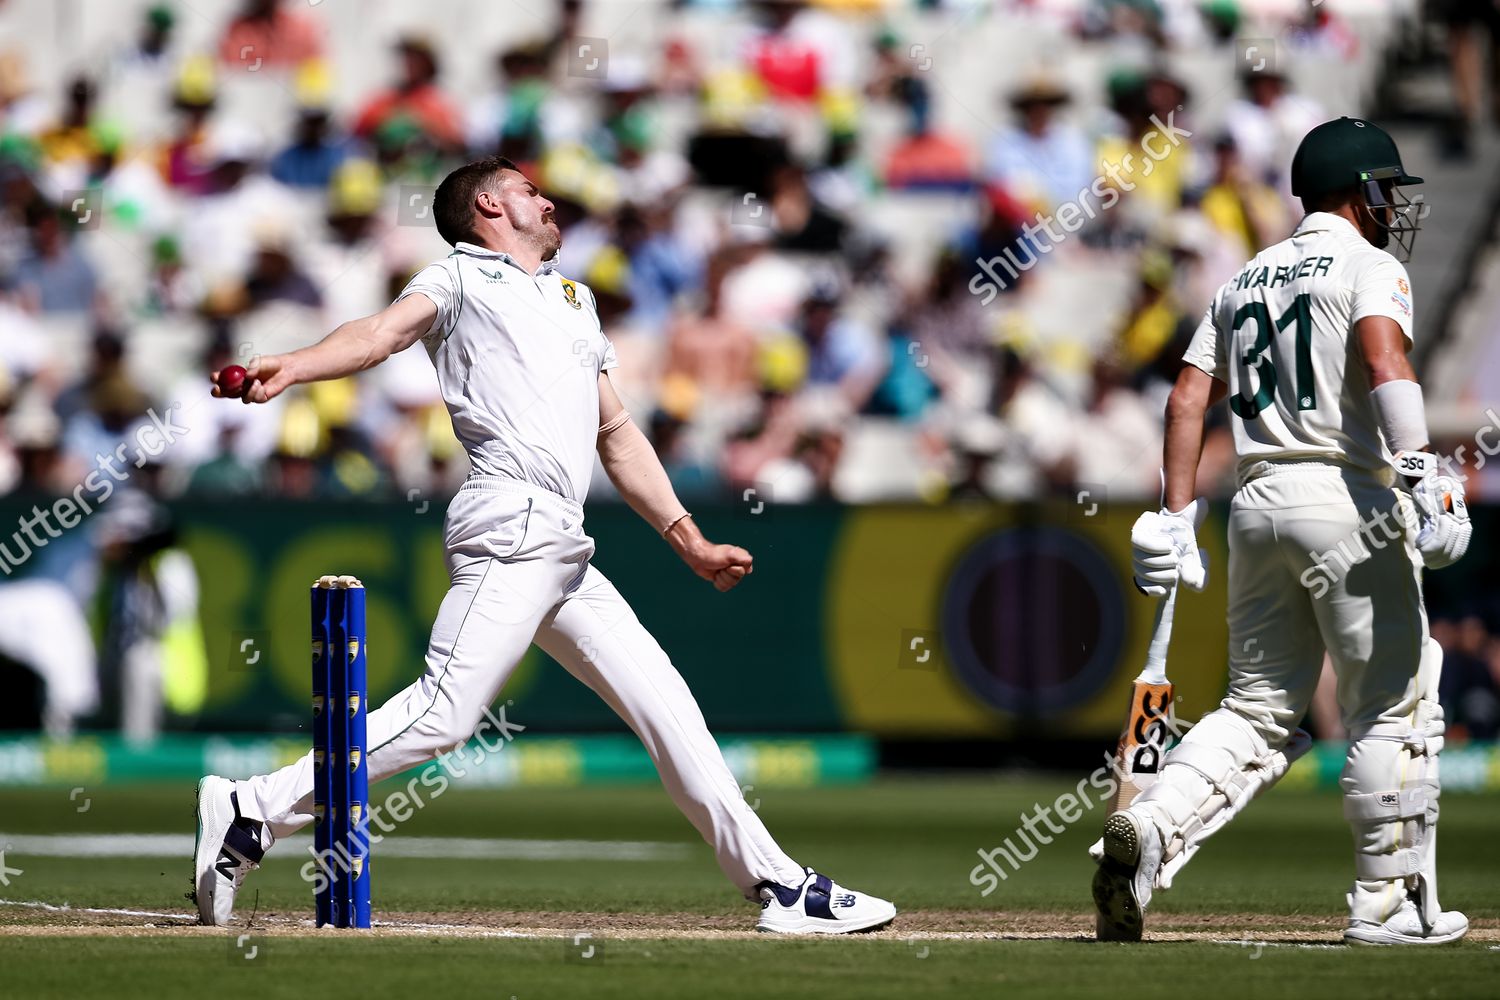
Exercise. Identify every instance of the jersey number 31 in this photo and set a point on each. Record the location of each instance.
(1249, 407)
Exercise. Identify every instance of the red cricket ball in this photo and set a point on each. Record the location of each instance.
(232, 380)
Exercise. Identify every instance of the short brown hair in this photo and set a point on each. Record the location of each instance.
(453, 202)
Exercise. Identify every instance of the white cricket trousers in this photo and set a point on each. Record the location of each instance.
(1320, 557)
(519, 562)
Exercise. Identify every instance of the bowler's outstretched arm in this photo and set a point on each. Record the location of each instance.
(354, 347)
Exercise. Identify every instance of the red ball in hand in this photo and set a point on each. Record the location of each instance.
(232, 381)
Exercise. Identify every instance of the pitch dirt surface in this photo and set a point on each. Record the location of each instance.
(1246, 929)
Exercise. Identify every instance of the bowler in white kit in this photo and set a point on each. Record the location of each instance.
(1340, 506)
(524, 365)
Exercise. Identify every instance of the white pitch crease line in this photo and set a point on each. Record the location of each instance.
(458, 928)
(403, 927)
(1251, 943)
(109, 911)
(180, 845)
(37, 904)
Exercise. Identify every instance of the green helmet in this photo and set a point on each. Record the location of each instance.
(1345, 152)
(1349, 153)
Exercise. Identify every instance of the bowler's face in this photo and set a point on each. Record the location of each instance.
(529, 212)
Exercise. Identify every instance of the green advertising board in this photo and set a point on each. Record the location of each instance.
(968, 621)
(520, 759)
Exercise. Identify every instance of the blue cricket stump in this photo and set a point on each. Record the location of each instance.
(341, 783)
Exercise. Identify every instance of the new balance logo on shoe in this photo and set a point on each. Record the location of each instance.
(844, 899)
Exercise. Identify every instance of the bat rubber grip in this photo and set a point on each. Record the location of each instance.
(1161, 638)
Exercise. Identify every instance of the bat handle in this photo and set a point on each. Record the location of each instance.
(1161, 638)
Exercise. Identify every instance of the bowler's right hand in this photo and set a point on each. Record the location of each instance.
(266, 377)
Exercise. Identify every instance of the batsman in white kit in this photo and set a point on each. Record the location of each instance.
(523, 365)
(1339, 507)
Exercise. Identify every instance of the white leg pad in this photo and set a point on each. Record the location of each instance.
(1391, 791)
(1207, 779)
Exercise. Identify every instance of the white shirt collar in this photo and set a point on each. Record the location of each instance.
(475, 250)
(1315, 222)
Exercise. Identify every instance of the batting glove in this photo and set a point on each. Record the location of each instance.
(1164, 549)
(1443, 521)
(1443, 527)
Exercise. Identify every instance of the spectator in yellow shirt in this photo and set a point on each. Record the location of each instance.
(1239, 204)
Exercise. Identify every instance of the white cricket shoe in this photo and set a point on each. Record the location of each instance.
(820, 906)
(1126, 875)
(228, 848)
(1405, 927)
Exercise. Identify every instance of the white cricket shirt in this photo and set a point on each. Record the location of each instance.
(1280, 335)
(518, 358)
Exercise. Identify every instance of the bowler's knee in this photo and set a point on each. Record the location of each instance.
(438, 732)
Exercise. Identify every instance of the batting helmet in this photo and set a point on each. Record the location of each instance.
(1345, 152)
(1353, 153)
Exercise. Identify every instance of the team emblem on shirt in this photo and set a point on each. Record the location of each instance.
(571, 291)
(1401, 284)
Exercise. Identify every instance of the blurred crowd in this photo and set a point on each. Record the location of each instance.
(787, 232)
(1471, 671)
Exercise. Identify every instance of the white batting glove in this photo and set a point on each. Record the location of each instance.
(1443, 520)
(1164, 549)
(1443, 527)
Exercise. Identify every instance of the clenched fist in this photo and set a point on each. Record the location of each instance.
(722, 565)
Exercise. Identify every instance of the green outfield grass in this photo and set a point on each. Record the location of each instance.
(1281, 867)
(719, 969)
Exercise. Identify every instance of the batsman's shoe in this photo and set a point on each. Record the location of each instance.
(1405, 927)
(228, 848)
(1126, 875)
(819, 906)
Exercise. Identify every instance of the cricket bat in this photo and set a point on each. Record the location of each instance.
(1143, 741)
